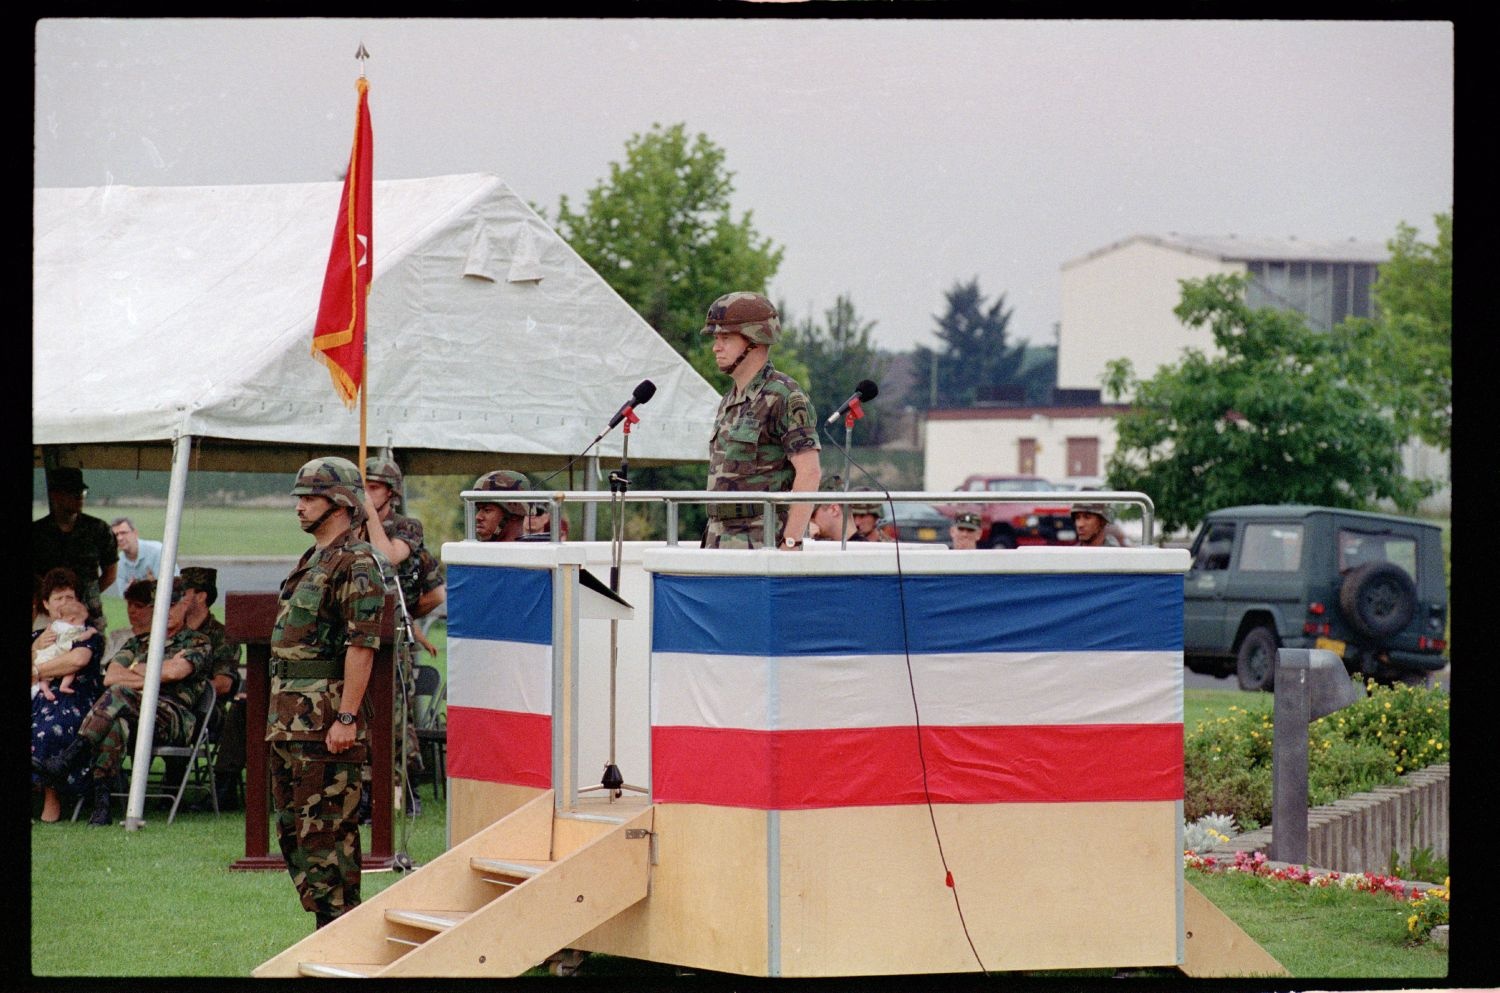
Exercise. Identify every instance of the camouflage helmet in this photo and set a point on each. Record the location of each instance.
(741, 312)
(1102, 509)
(383, 469)
(501, 481)
(864, 508)
(333, 477)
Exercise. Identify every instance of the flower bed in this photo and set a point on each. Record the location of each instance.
(1429, 904)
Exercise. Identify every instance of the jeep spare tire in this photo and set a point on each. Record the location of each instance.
(1378, 599)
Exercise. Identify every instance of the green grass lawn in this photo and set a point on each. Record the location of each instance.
(215, 530)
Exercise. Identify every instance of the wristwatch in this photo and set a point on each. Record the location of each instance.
(347, 718)
(789, 543)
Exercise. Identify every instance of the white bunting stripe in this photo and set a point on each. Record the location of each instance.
(500, 675)
(975, 689)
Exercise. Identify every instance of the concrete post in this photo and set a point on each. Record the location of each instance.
(1289, 762)
(1310, 683)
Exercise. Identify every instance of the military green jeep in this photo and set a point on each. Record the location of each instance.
(1369, 587)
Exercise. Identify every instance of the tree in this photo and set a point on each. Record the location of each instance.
(1283, 416)
(975, 355)
(1408, 348)
(837, 355)
(660, 231)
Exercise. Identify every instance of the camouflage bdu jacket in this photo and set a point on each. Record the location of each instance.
(194, 646)
(409, 572)
(333, 599)
(754, 432)
(226, 655)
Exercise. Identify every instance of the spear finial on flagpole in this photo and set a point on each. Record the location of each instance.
(361, 55)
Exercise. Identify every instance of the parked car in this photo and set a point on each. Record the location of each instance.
(921, 522)
(1369, 587)
(1009, 525)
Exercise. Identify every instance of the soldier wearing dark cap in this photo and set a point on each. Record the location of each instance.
(500, 521)
(963, 534)
(322, 652)
(765, 435)
(110, 724)
(70, 538)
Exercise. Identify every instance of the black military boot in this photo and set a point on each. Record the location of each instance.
(54, 769)
(100, 817)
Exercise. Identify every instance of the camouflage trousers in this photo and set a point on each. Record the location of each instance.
(739, 532)
(111, 722)
(315, 799)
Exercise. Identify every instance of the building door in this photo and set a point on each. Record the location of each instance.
(1083, 457)
(1026, 463)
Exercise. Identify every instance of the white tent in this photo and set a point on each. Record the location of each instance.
(171, 323)
(161, 312)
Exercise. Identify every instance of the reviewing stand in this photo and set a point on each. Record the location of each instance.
(248, 620)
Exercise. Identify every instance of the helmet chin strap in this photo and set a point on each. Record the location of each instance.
(749, 346)
(326, 514)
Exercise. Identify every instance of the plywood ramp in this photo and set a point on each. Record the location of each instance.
(494, 905)
(1218, 947)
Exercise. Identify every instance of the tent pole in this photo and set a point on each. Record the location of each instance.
(140, 766)
(591, 509)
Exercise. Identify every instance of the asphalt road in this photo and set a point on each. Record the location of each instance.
(1196, 681)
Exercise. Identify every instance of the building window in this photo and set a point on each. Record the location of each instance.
(1324, 293)
(1083, 457)
(1026, 457)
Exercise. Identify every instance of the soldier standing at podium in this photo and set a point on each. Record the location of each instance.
(322, 652)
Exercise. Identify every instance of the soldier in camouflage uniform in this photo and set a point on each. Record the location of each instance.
(322, 651)
(434, 585)
(70, 538)
(865, 516)
(227, 720)
(765, 436)
(500, 521)
(399, 542)
(108, 727)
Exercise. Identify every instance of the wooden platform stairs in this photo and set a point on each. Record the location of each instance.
(495, 905)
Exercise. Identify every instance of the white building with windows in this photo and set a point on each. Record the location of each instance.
(1118, 302)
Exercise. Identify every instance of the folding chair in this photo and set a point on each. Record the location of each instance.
(198, 769)
(432, 731)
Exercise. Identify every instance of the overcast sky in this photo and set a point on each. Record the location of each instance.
(889, 157)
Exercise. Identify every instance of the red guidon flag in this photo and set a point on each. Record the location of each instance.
(339, 334)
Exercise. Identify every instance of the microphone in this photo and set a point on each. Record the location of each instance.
(863, 393)
(643, 392)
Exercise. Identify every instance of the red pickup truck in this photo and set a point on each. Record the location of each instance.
(1007, 525)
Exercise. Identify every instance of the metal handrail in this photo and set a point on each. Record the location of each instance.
(672, 499)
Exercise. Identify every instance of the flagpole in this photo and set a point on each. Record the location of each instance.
(364, 359)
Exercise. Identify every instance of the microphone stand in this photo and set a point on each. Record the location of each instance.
(619, 482)
(855, 413)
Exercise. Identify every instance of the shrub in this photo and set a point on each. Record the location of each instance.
(1227, 759)
(1429, 909)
